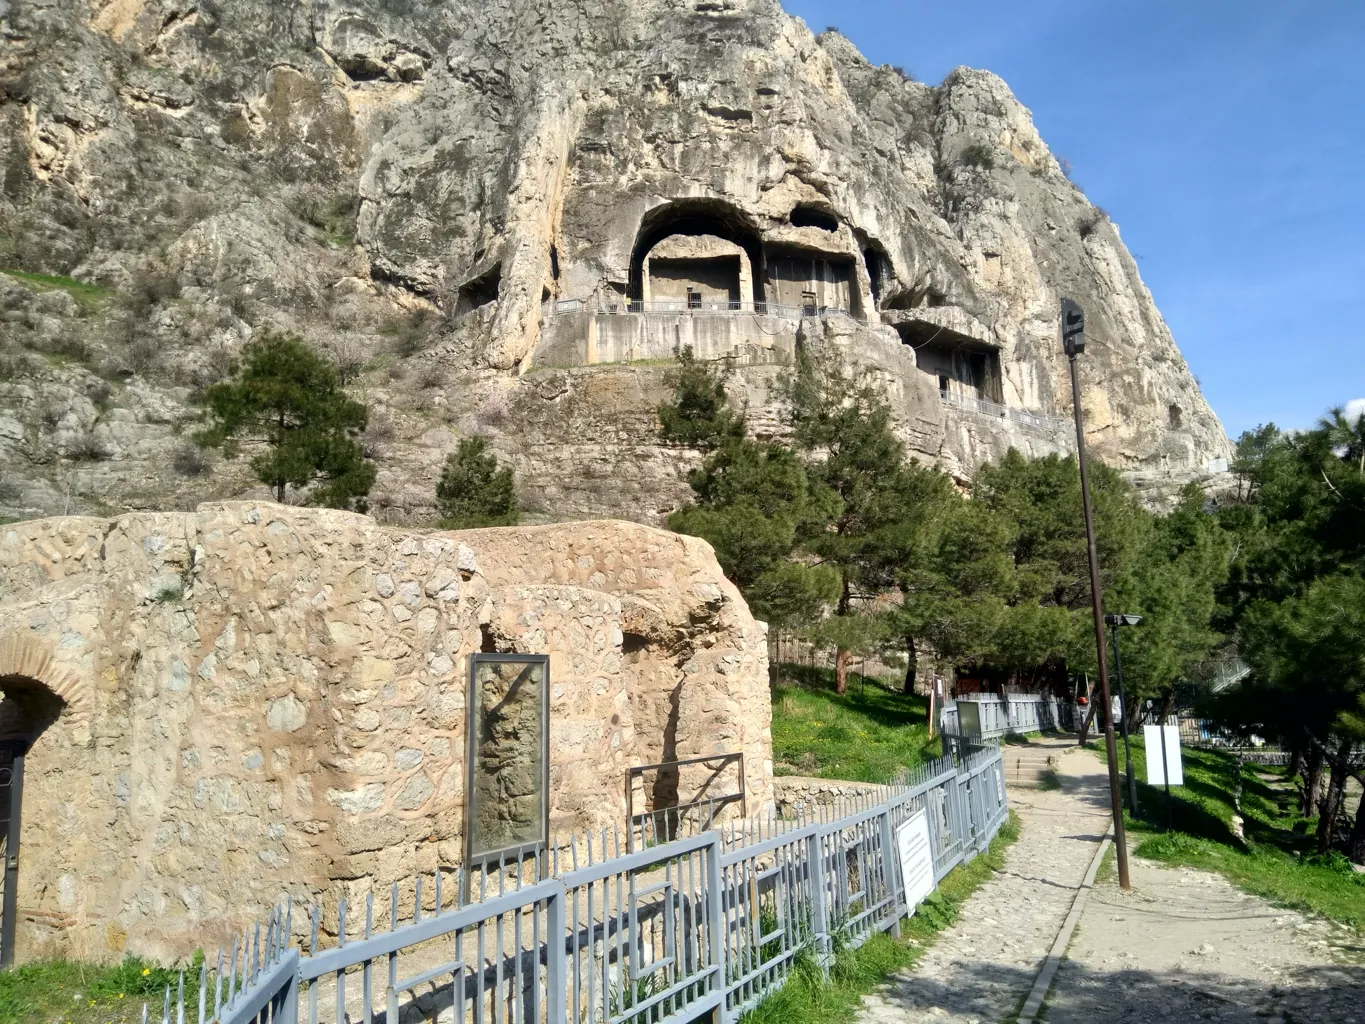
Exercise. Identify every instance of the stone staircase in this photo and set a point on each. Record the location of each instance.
(1029, 767)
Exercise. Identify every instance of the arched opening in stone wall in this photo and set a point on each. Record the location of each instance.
(27, 708)
(712, 265)
(698, 272)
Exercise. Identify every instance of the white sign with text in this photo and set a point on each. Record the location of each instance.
(1155, 775)
(916, 859)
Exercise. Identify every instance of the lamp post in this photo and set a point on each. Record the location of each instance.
(1073, 343)
(1115, 621)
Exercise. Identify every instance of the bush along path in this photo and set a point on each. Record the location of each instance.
(1183, 945)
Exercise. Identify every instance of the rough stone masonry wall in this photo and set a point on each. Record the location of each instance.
(260, 699)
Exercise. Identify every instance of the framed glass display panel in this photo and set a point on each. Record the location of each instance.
(507, 782)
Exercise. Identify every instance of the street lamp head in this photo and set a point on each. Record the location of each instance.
(1073, 328)
(1123, 620)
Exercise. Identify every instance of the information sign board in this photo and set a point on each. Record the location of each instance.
(1155, 775)
(916, 859)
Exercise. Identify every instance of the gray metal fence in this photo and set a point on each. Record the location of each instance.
(663, 935)
(988, 718)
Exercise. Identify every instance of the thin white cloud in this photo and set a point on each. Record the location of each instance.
(1355, 409)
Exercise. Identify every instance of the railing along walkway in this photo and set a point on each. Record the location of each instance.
(663, 935)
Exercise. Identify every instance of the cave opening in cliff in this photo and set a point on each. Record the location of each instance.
(810, 280)
(480, 291)
(805, 216)
(878, 269)
(962, 367)
(706, 245)
(697, 282)
(922, 297)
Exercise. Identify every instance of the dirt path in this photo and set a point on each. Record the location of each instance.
(1185, 945)
(982, 968)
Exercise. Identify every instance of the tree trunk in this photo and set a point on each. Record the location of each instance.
(279, 491)
(841, 659)
(775, 659)
(1087, 720)
(1331, 802)
(1295, 760)
(1312, 782)
(1356, 848)
(910, 667)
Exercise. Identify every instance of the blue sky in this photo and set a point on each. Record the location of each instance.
(1226, 138)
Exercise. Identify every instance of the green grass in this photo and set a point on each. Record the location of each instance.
(1108, 869)
(90, 297)
(867, 735)
(1276, 860)
(64, 991)
(809, 998)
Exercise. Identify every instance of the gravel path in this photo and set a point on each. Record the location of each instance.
(1184, 945)
(982, 968)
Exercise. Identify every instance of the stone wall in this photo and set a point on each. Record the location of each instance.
(259, 699)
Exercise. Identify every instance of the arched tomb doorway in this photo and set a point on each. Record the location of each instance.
(34, 693)
(707, 245)
(698, 272)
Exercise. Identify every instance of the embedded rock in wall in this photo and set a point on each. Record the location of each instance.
(250, 700)
(463, 199)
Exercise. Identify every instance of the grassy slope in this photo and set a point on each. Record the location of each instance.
(866, 735)
(90, 297)
(808, 998)
(1274, 862)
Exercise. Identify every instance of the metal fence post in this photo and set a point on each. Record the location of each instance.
(715, 920)
(556, 992)
(815, 871)
(288, 1011)
(889, 873)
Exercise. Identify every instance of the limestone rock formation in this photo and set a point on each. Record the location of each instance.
(502, 215)
(251, 700)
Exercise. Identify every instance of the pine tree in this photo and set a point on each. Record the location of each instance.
(286, 399)
(474, 491)
(878, 507)
(699, 415)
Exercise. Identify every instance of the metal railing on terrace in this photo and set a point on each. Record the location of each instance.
(590, 934)
(1036, 420)
(562, 307)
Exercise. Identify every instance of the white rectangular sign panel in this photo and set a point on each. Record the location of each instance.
(916, 859)
(1155, 776)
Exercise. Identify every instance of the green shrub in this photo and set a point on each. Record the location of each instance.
(977, 155)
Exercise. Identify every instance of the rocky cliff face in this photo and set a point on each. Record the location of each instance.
(426, 189)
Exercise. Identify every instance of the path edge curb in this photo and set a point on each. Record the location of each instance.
(1043, 983)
